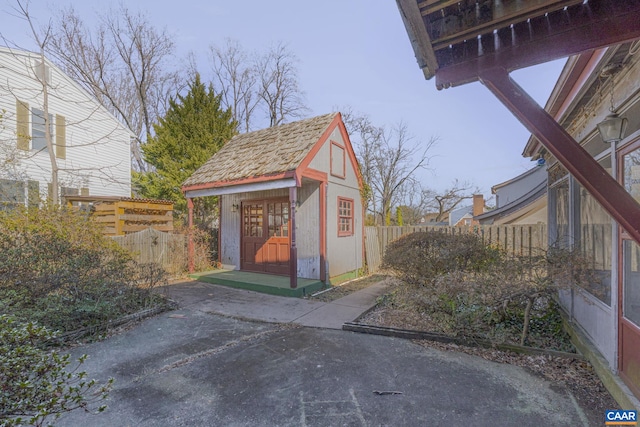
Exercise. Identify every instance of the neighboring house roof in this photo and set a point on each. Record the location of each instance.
(518, 197)
(457, 215)
(265, 152)
(525, 204)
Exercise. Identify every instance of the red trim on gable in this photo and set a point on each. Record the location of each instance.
(350, 152)
(318, 145)
(315, 174)
(337, 121)
(261, 178)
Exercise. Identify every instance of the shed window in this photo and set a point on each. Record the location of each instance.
(345, 217)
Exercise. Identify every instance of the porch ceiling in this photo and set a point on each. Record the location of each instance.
(456, 40)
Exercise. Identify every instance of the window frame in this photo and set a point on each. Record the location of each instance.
(349, 217)
(39, 130)
(339, 174)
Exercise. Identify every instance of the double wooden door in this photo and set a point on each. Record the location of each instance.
(265, 236)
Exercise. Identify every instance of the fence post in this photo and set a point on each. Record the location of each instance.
(190, 246)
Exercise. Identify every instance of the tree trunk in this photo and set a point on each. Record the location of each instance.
(527, 319)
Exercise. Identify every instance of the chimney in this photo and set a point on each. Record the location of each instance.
(478, 204)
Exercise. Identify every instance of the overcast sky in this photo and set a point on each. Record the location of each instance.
(355, 53)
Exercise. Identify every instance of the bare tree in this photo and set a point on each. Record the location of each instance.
(448, 200)
(389, 159)
(123, 62)
(257, 86)
(279, 91)
(41, 37)
(235, 78)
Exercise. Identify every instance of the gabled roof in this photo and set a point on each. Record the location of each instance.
(524, 204)
(457, 215)
(265, 152)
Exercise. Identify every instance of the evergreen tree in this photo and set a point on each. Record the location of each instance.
(194, 128)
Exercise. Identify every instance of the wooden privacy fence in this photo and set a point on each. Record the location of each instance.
(515, 239)
(165, 249)
(124, 215)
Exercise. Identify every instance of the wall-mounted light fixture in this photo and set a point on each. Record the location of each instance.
(235, 207)
(613, 126)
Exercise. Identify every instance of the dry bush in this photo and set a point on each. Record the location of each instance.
(56, 268)
(205, 250)
(418, 258)
(469, 289)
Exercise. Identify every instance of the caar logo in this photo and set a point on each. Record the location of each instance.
(621, 418)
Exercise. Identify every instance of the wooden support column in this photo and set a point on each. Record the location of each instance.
(293, 251)
(190, 247)
(585, 169)
(323, 231)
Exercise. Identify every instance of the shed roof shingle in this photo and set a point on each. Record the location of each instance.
(264, 152)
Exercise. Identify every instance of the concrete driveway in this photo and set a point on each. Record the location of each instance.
(190, 367)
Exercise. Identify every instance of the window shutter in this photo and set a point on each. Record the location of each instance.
(61, 137)
(22, 125)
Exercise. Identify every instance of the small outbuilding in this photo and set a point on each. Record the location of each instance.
(289, 201)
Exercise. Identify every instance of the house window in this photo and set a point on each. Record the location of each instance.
(337, 160)
(38, 134)
(345, 217)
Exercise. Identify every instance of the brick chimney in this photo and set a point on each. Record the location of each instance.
(478, 204)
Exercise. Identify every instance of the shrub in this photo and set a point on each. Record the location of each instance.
(36, 384)
(58, 269)
(475, 290)
(418, 258)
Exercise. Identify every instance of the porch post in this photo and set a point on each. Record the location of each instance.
(323, 231)
(293, 251)
(190, 247)
(586, 170)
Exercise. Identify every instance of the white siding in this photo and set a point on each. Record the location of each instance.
(98, 151)
(344, 254)
(308, 230)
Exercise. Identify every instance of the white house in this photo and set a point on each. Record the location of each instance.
(92, 148)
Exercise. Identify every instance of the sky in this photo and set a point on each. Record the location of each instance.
(352, 53)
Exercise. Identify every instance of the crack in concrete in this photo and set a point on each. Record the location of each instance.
(210, 352)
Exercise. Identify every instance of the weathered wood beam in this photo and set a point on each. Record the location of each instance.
(593, 25)
(584, 168)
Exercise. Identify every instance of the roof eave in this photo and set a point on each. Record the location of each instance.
(418, 36)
